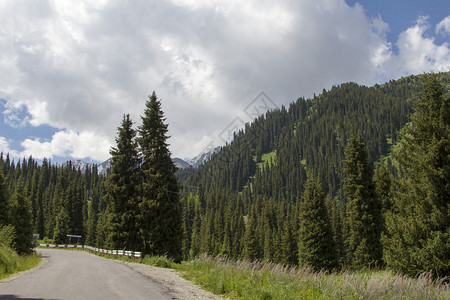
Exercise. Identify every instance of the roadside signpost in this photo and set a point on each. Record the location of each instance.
(70, 236)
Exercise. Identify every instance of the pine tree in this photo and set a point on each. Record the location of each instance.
(195, 235)
(4, 203)
(250, 241)
(90, 227)
(418, 228)
(206, 233)
(121, 189)
(336, 212)
(316, 246)
(21, 219)
(103, 229)
(383, 186)
(61, 227)
(160, 217)
(364, 221)
(288, 251)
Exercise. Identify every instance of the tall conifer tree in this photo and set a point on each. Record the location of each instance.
(316, 246)
(121, 190)
(61, 227)
(160, 209)
(363, 219)
(288, 250)
(4, 203)
(21, 219)
(251, 249)
(418, 228)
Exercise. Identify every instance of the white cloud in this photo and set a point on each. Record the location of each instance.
(444, 26)
(63, 144)
(418, 53)
(80, 66)
(36, 148)
(69, 144)
(5, 148)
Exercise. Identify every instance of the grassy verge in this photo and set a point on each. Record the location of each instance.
(19, 264)
(244, 280)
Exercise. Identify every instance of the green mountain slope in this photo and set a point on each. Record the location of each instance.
(309, 135)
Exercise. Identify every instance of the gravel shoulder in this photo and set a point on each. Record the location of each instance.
(179, 288)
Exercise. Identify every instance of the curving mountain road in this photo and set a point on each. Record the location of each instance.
(79, 275)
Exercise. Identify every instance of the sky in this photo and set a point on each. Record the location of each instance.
(70, 70)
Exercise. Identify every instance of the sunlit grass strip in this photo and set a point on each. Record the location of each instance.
(20, 264)
(257, 280)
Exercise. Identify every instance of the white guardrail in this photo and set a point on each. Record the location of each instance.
(112, 252)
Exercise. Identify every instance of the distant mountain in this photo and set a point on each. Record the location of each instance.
(180, 164)
(77, 164)
(82, 165)
(203, 157)
(104, 166)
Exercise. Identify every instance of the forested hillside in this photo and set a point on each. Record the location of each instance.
(262, 175)
(321, 182)
(310, 134)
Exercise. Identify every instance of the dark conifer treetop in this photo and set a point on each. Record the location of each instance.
(153, 138)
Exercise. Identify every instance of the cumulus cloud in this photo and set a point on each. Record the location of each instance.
(63, 144)
(418, 53)
(79, 66)
(444, 26)
(5, 148)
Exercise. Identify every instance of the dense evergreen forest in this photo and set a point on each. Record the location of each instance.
(342, 141)
(356, 177)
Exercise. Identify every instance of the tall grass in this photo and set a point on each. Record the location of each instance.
(263, 280)
(10, 262)
(16, 263)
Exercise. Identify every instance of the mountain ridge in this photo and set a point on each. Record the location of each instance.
(102, 168)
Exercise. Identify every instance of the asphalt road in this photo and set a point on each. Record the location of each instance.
(79, 275)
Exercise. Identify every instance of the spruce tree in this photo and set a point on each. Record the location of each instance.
(160, 209)
(4, 203)
(418, 228)
(250, 241)
(61, 227)
(195, 235)
(288, 250)
(316, 247)
(90, 227)
(103, 229)
(383, 185)
(21, 219)
(121, 190)
(363, 219)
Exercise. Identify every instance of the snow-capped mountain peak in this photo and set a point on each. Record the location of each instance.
(203, 157)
